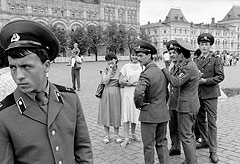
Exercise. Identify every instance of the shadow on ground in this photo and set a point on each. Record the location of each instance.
(231, 92)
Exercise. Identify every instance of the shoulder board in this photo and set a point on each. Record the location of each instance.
(8, 101)
(64, 89)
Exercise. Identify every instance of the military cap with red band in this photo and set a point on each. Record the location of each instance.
(144, 46)
(29, 34)
(205, 37)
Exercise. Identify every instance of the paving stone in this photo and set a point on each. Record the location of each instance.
(228, 119)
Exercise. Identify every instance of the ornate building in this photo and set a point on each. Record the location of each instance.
(226, 32)
(69, 14)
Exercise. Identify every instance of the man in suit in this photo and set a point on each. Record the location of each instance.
(40, 122)
(150, 97)
(212, 74)
(187, 80)
(173, 100)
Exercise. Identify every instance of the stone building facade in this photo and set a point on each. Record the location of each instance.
(69, 14)
(175, 25)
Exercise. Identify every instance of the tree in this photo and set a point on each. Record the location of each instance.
(61, 35)
(95, 39)
(132, 37)
(79, 36)
(115, 38)
(122, 39)
(144, 36)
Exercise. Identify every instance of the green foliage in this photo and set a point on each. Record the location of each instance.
(144, 36)
(79, 36)
(115, 38)
(61, 34)
(95, 39)
(132, 37)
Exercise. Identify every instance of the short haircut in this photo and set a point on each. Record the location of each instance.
(21, 52)
(110, 56)
(186, 53)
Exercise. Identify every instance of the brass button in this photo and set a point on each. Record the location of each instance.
(57, 148)
(53, 132)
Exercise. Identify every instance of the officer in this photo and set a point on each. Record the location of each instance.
(175, 149)
(150, 97)
(40, 122)
(187, 80)
(212, 74)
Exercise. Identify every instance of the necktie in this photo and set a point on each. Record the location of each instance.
(42, 101)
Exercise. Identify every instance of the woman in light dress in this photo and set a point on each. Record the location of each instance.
(109, 113)
(129, 76)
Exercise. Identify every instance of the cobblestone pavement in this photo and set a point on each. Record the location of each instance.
(112, 153)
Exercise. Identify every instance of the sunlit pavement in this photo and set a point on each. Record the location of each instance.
(112, 153)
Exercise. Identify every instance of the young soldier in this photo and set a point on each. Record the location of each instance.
(40, 122)
(212, 74)
(150, 97)
(187, 80)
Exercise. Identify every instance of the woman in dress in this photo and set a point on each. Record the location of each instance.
(129, 76)
(109, 113)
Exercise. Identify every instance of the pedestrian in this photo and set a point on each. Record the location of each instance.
(212, 74)
(109, 112)
(7, 85)
(129, 77)
(187, 80)
(75, 63)
(173, 101)
(40, 122)
(150, 97)
(166, 59)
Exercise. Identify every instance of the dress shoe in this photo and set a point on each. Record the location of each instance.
(214, 157)
(202, 145)
(173, 152)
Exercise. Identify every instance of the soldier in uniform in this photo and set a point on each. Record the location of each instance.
(212, 74)
(173, 101)
(40, 122)
(187, 80)
(150, 97)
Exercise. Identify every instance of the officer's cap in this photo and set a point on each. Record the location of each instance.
(172, 44)
(29, 34)
(205, 37)
(183, 44)
(144, 46)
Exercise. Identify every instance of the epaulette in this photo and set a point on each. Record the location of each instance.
(8, 101)
(64, 89)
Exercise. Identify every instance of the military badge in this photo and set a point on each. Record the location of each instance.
(15, 37)
(181, 74)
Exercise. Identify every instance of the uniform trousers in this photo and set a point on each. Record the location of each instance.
(186, 122)
(174, 132)
(75, 77)
(208, 129)
(155, 133)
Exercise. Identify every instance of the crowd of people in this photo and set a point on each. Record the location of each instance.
(189, 106)
(42, 122)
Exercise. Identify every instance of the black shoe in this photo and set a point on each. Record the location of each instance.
(202, 145)
(214, 157)
(173, 152)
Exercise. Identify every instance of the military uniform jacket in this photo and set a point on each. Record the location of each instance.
(150, 95)
(187, 80)
(212, 70)
(174, 91)
(29, 136)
